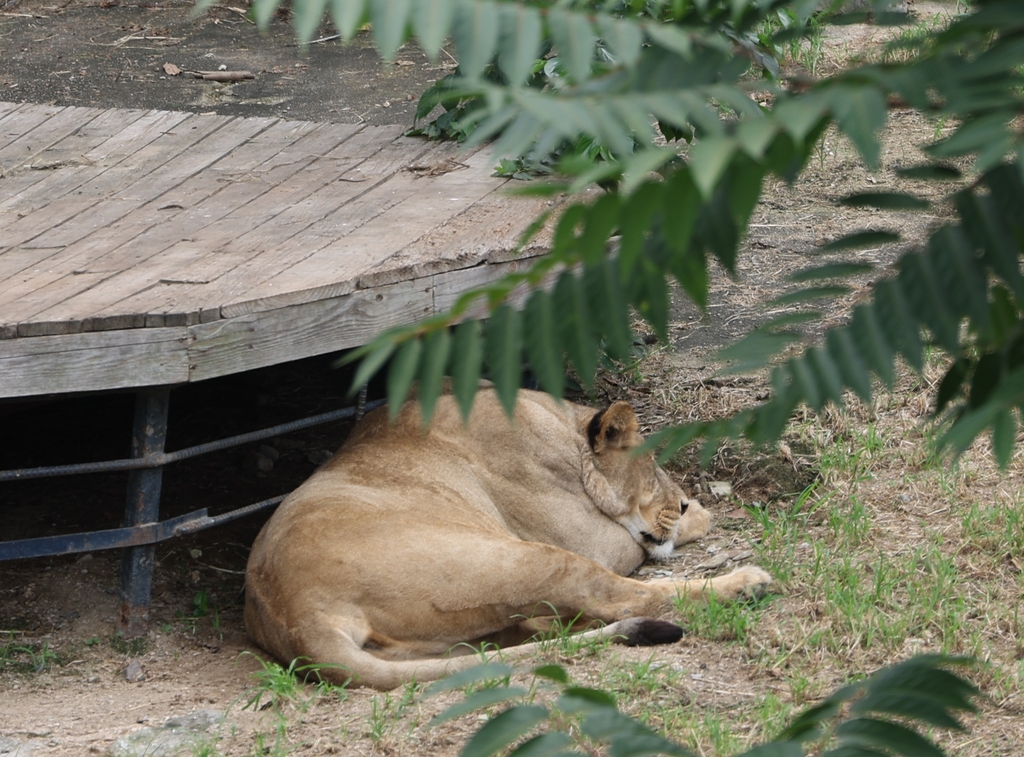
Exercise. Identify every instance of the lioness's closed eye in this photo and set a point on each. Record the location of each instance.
(499, 520)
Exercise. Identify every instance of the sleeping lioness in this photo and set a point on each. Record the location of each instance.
(406, 544)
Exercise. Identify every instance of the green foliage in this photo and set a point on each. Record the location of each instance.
(879, 716)
(615, 74)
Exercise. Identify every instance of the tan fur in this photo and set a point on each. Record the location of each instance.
(407, 543)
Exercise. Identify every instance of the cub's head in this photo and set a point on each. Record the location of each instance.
(642, 497)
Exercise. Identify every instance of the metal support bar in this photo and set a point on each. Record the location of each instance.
(143, 506)
(163, 458)
(130, 536)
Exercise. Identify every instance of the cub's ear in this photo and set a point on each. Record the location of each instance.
(614, 428)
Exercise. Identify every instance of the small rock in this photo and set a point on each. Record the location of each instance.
(318, 456)
(179, 735)
(133, 673)
(715, 561)
(258, 462)
(12, 747)
(720, 488)
(267, 451)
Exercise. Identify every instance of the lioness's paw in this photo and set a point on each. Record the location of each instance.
(748, 582)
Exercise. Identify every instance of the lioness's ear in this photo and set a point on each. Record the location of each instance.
(614, 427)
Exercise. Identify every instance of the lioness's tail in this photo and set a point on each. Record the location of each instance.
(345, 661)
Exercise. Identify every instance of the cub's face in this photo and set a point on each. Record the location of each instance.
(656, 512)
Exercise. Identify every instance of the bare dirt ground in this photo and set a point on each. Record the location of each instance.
(878, 501)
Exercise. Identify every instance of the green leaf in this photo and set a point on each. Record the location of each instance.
(800, 116)
(755, 135)
(487, 672)
(717, 229)
(400, 374)
(974, 135)
(951, 383)
(504, 729)
(573, 314)
(554, 673)
(755, 350)
(478, 700)
(809, 293)
(543, 345)
(777, 749)
(1008, 394)
(920, 283)
(885, 201)
(860, 240)
(681, 205)
(806, 383)
(745, 179)
(670, 37)
(574, 41)
(519, 43)
(554, 744)
(389, 19)
(929, 172)
(476, 36)
(830, 271)
(860, 113)
(708, 160)
(378, 353)
(627, 737)
(601, 219)
(894, 316)
(308, 14)
(505, 354)
(432, 20)
(437, 346)
(872, 343)
(880, 733)
(348, 16)
(635, 221)
(843, 351)
(607, 302)
(467, 355)
(622, 37)
(576, 699)
(826, 374)
(1004, 437)
(649, 295)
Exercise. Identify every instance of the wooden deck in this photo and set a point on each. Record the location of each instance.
(143, 248)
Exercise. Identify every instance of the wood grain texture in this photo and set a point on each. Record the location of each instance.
(147, 247)
(81, 362)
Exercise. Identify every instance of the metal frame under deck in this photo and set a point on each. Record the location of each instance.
(142, 525)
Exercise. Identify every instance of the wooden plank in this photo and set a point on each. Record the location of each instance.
(354, 236)
(16, 125)
(65, 193)
(93, 362)
(252, 341)
(150, 228)
(205, 198)
(157, 168)
(196, 156)
(450, 285)
(30, 149)
(19, 186)
(487, 231)
(7, 109)
(225, 254)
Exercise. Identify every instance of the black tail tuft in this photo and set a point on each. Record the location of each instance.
(647, 632)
